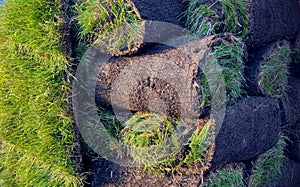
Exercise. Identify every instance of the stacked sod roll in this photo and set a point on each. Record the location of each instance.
(268, 70)
(258, 22)
(124, 26)
(227, 50)
(248, 46)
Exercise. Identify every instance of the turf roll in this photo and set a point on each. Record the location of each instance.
(122, 26)
(258, 22)
(267, 70)
(140, 78)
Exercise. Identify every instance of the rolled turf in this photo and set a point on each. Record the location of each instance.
(258, 22)
(268, 70)
(122, 26)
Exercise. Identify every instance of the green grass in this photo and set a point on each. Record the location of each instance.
(110, 122)
(274, 73)
(152, 139)
(155, 145)
(198, 146)
(229, 55)
(36, 126)
(214, 17)
(269, 165)
(112, 24)
(226, 178)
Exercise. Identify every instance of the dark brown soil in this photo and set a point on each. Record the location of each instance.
(168, 11)
(272, 20)
(161, 20)
(104, 173)
(250, 128)
(291, 103)
(145, 92)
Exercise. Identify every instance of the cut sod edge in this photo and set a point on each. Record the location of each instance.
(272, 53)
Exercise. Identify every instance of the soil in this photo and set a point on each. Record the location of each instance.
(272, 20)
(105, 173)
(250, 128)
(291, 103)
(170, 67)
(165, 11)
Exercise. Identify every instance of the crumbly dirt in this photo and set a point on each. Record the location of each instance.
(144, 92)
(106, 173)
(250, 128)
(272, 20)
(291, 103)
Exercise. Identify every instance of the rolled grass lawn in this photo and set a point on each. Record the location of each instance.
(36, 125)
(257, 22)
(123, 27)
(268, 70)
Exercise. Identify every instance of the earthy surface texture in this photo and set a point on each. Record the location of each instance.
(160, 80)
(250, 128)
(160, 19)
(293, 149)
(165, 11)
(272, 20)
(291, 103)
(104, 173)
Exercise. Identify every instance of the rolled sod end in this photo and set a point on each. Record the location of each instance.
(274, 73)
(270, 164)
(154, 144)
(268, 70)
(121, 27)
(112, 24)
(248, 19)
(150, 138)
(229, 52)
(253, 125)
(195, 70)
(205, 18)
